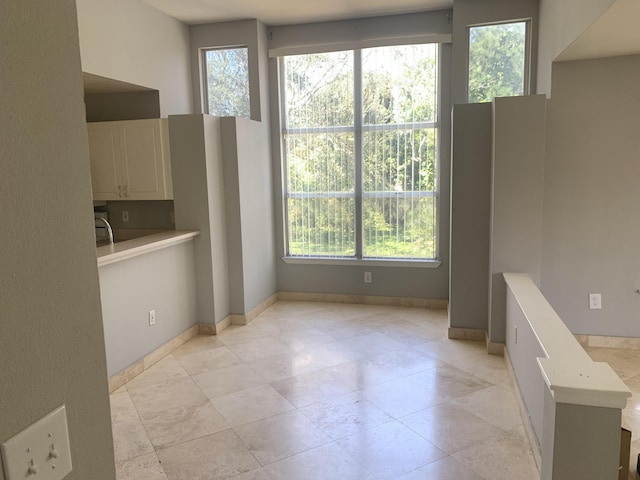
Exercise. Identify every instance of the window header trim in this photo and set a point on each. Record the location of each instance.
(355, 45)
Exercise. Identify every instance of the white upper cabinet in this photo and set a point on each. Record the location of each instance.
(130, 160)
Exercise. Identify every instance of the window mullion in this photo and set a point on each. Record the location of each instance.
(357, 118)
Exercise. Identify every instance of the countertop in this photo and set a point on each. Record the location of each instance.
(124, 250)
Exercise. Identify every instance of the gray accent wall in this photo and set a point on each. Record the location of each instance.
(52, 341)
(199, 202)
(430, 283)
(131, 41)
(164, 281)
(107, 107)
(561, 22)
(517, 194)
(591, 226)
(470, 208)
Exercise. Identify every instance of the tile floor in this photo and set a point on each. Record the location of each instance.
(324, 391)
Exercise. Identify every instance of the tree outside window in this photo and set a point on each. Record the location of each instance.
(227, 82)
(498, 60)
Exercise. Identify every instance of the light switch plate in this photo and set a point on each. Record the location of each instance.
(41, 451)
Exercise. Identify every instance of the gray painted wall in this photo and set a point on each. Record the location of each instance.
(387, 281)
(561, 22)
(470, 202)
(130, 41)
(517, 193)
(199, 201)
(52, 343)
(155, 214)
(473, 12)
(106, 107)
(163, 281)
(591, 229)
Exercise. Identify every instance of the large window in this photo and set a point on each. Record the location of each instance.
(227, 82)
(498, 61)
(360, 153)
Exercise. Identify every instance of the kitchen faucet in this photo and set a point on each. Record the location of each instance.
(106, 224)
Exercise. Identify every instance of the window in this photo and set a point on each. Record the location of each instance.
(360, 132)
(227, 82)
(498, 61)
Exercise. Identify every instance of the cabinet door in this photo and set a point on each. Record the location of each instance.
(106, 163)
(141, 148)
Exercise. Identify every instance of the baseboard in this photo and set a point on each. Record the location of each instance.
(253, 314)
(364, 300)
(524, 414)
(122, 377)
(601, 341)
(476, 334)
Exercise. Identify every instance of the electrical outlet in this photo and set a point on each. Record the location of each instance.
(42, 450)
(367, 277)
(152, 317)
(125, 216)
(595, 301)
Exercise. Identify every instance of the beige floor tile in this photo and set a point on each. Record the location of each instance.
(501, 458)
(257, 474)
(215, 457)
(330, 354)
(449, 381)
(310, 388)
(390, 450)
(483, 404)
(372, 344)
(300, 339)
(144, 467)
(626, 363)
(206, 360)
(241, 333)
(216, 383)
(251, 404)
(180, 424)
(402, 397)
(282, 366)
(361, 374)
(166, 369)
(281, 436)
(258, 348)
(130, 439)
(176, 393)
(450, 428)
(197, 344)
(345, 415)
(321, 463)
(446, 469)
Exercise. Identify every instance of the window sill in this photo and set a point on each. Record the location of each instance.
(355, 262)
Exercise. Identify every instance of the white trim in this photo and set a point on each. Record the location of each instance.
(356, 262)
(355, 45)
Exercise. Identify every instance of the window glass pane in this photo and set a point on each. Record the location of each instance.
(399, 226)
(319, 153)
(497, 55)
(227, 72)
(321, 226)
(399, 151)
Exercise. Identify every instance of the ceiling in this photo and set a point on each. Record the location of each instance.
(282, 12)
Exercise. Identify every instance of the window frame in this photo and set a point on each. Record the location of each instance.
(526, 88)
(359, 195)
(204, 79)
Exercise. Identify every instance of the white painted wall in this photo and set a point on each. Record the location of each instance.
(51, 340)
(561, 22)
(591, 226)
(130, 41)
(164, 281)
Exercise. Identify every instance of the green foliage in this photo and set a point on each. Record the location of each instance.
(228, 82)
(496, 61)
